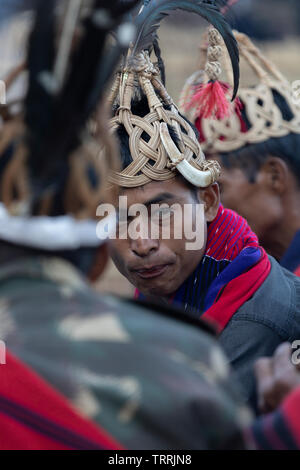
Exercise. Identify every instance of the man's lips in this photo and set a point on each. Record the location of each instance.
(151, 271)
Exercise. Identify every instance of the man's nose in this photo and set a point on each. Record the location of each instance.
(144, 246)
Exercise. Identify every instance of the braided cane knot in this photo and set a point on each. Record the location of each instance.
(213, 70)
(214, 52)
(214, 37)
(142, 65)
(155, 155)
(212, 166)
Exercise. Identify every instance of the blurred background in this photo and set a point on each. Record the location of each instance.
(273, 24)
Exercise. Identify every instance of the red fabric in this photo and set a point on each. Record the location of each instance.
(228, 234)
(236, 293)
(291, 411)
(31, 410)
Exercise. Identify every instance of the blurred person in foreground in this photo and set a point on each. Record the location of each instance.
(85, 371)
(228, 279)
(257, 143)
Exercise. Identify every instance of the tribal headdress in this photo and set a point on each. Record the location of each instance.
(255, 116)
(51, 177)
(155, 154)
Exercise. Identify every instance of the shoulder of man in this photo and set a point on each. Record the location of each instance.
(156, 364)
(151, 380)
(269, 318)
(276, 304)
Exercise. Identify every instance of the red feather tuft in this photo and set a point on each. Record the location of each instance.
(211, 100)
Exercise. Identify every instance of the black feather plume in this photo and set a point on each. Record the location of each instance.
(160, 61)
(147, 23)
(39, 103)
(55, 121)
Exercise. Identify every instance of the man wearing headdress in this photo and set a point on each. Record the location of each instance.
(258, 146)
(229, 279)
(84, 371)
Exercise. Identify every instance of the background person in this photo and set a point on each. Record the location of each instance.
(258, 147)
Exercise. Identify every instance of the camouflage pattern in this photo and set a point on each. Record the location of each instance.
(152, 381)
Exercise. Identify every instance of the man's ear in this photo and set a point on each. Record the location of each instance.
(210, 196)
(275, 174)
(100, 263)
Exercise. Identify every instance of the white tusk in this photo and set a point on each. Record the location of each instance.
(198, 178)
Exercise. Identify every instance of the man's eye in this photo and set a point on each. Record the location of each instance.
(164, 212)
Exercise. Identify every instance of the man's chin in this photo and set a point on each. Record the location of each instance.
(156, 289)
(156, 283)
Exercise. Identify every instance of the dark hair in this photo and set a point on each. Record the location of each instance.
(251, 157)
(141, 108)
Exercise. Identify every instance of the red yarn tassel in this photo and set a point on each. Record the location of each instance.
(211, 100)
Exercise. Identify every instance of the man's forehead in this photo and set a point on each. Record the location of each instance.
(154, 191)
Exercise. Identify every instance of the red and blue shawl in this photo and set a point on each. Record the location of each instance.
(233, 268)
(279, 430)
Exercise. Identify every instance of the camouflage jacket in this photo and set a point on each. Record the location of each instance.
(152, 381)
